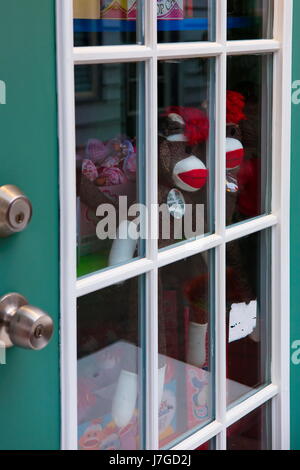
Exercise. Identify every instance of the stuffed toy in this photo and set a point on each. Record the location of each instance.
(243, 255)
(183, 177)
(234, 150)
(183, 292)
(238, 289)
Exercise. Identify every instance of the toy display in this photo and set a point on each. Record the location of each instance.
(182, 170)
(111, 167)
(97, 382)
(106, 171)
(183, 174)
(109, 396)
(247, 305)
(234, 150)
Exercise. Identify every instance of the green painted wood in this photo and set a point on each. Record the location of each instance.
(295, 244)
(29, 262)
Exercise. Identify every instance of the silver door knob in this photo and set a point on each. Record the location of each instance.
(15, 210)
(23, 325)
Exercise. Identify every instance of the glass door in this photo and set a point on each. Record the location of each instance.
(174, 125)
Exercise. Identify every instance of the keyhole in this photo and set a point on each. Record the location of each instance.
(39, 331)
(20, 218)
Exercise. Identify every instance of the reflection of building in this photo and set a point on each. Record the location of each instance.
(118, 9)
(167, 10)
(87, 9)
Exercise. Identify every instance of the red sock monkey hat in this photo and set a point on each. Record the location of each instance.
(195, 123)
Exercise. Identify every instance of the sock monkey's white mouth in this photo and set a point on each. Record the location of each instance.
(190, 174)
(234, 153)
(194, 178)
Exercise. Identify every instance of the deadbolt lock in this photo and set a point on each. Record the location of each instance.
(23, 325)
(15, 210)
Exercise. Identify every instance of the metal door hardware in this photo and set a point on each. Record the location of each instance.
(15, 210)
(22, 324)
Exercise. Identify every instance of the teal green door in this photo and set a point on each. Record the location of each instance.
(295, 240)
(29, 262)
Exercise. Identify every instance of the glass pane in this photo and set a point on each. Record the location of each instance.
(110, 368)
(108, 22)
(109, 163)
(185, 20)
(254, 432)
(248, 291)
(250, 19)
(249, 137)
(186, 365)
(186, 149)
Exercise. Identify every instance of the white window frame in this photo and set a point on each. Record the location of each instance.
(278, 221)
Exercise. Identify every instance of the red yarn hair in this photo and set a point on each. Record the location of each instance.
(196, 123)
(235, 107)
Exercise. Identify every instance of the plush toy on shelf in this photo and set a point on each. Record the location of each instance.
(108, 171)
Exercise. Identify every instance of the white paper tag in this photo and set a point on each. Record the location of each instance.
(242, 320)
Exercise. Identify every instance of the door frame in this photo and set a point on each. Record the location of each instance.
(278, 221)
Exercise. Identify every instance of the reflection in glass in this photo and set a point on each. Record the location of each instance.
(254, 432)
(185, 347)
(250, 19)
(109, 367)
(249, 137)
(109, 162)
(248, 306)
(185, 20)
(108, 22)
(186, 149)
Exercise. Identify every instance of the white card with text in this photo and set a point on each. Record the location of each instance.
(242, 320)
